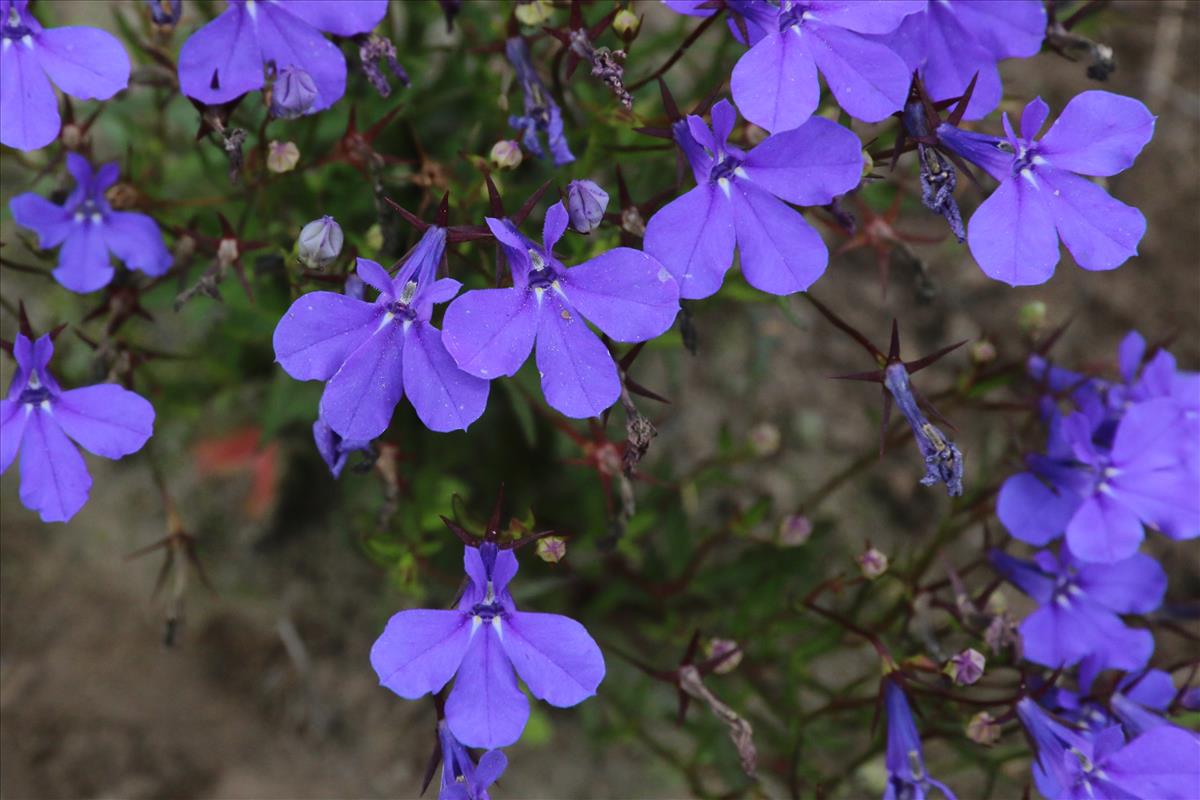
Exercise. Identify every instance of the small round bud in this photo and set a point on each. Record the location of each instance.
(626, 23)
(282, 156)
(983, 352)
(506, 154)
(754, 134)
(73, 136)
(533, 12)
(715, 648)
(227, 252)
(868, 163)
(122, 196)
(293, 94)
(586, 203)
(764, 439)
(374, 238)
(873, 563)
(320, 243)
(794, 530)
(1032, 318)
(966, 667)
(983, 729)
(552, 549)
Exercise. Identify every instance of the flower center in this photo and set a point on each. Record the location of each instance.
(34, 396)
(486, 612)
(725, 167)
(402, 306)
(14, 28)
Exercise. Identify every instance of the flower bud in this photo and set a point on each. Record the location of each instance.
(966, 667)
(374, 238)
(585, 205)
(764, 439)
(552, 549)
(506, 154)
(165, 13)
(873, 563)
(320, 243)
(983, 729)
(122, 196)
(282, 156)
(294, 93)
(794, 530)
(715, 648)
(982, 352)
(626, 23)
(533, 12)
(1032, 318)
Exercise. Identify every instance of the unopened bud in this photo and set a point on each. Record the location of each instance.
(320, 243)
(626, 23)
(715, 648)
(764, 439)
(873, 563)
(794, 530)
(983, 352)
(506, 154)
(293, 94)
(966, 667)
(533, 12)
(983, 729)
(868, 163)
(73, 136)
(227, 252)
(1032, 318)
(552, 549)
(374, 238)
(754, 134)
(282, 156)
(586, 203)
(122, 196)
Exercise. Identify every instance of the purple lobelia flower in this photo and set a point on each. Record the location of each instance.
(625, 293)
(372, 354)
(542, 115)
(775, 82)
(1078, 607)
(1141, 700)
(907, 778)
(1100, 492)
(462, 778)
(949, 42)
(228, 57)
(1163, 763)
(1043, 197)
(89, 230)
(87, 63)
(482, 641)
(39, 420)
(740, 197)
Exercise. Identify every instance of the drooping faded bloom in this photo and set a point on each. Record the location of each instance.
(482, 642)
(39, 420)
(86, 63)
(742, 198)
(625, 293)
(1079, 604)
(228, 57)
(89, 230)
(373, 354)
(949, 42)
(1163, 763)
(462, 778)
(943, 459)
(542, 115)
(907, 778)
(775, 82)
(1043, 197)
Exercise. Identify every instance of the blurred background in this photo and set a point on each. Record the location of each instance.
(265, 690)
